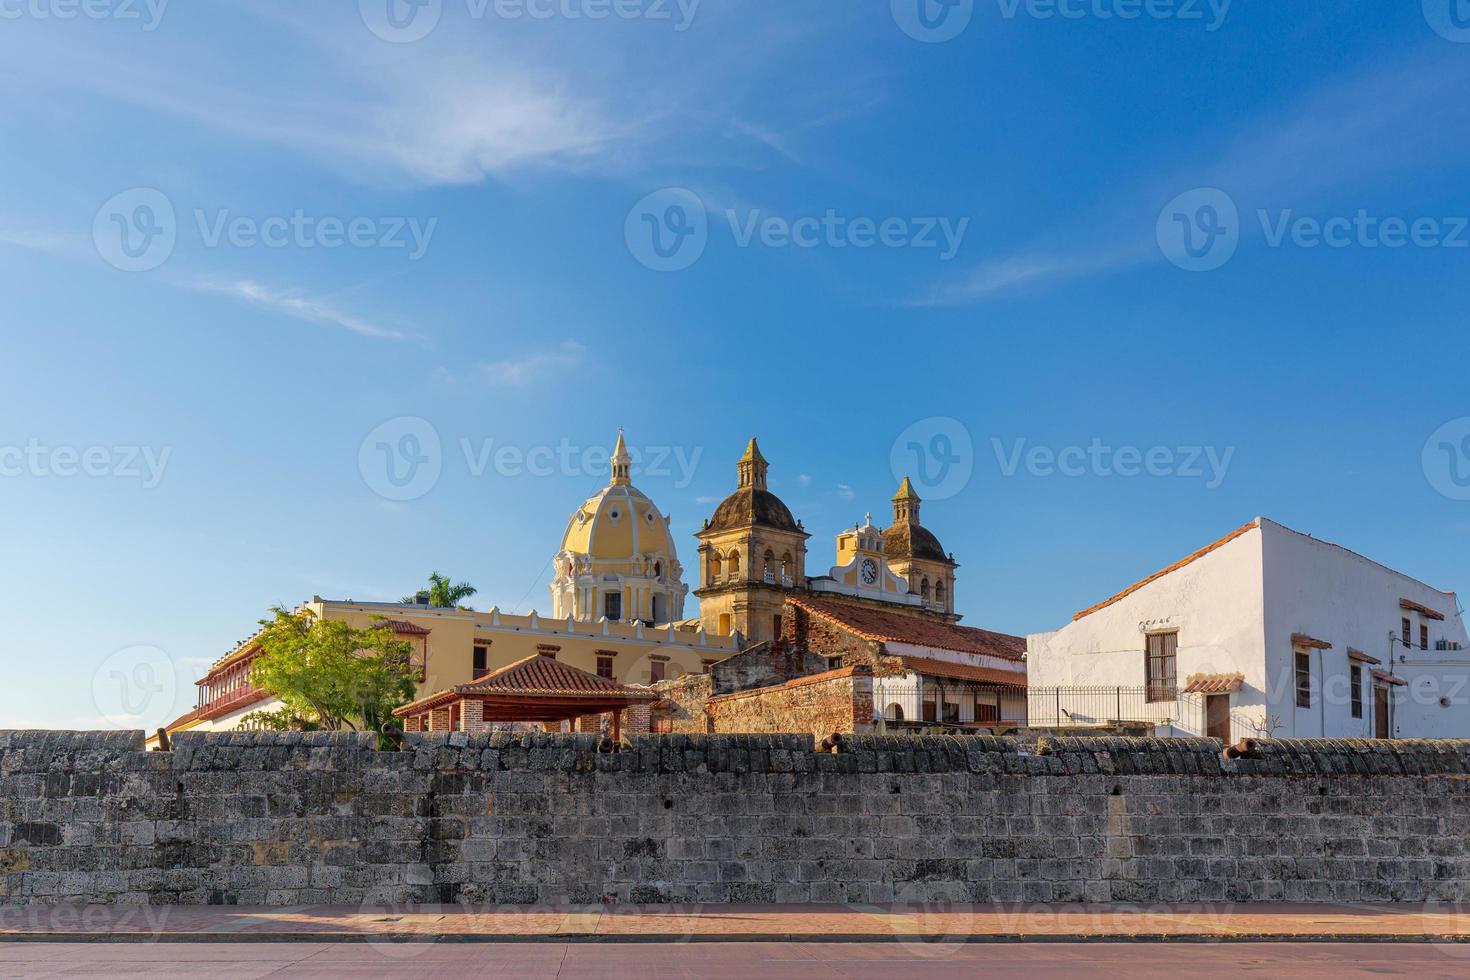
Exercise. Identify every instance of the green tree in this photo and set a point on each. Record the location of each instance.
(329, 674)
(444, 594)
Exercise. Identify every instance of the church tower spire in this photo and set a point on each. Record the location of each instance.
(906, 504)
(752, 467)
(622, 463)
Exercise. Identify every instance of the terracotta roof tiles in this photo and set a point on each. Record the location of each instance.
(900, 627)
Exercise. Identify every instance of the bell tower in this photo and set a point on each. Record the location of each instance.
(915, 554)
(751, 552)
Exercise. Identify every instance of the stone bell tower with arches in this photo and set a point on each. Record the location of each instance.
(752, 552)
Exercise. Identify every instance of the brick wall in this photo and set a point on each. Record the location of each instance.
(803, 631)
(518, 818)
(821, 704)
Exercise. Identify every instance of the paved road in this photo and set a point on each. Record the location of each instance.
(768, 961)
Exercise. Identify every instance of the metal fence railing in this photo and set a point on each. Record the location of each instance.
(951, 703)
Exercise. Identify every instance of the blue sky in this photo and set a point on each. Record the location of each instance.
(221, 398)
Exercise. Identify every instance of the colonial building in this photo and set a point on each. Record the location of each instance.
(752, 556)
(617, 595)
(1266, 631)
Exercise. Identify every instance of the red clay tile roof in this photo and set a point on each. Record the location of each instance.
(965, 672)
(402, 626)
(1214, 683)
(1172, 568)
(538, 674)
(534, 677)
(900, 627)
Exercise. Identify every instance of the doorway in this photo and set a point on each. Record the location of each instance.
(1217, 717)
(1380, 711)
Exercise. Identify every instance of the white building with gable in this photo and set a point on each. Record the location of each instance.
(1266, 631)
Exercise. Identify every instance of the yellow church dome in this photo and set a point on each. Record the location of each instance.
(617, 558)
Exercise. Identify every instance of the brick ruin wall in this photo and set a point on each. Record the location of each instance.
(279, 819)
(831, 701)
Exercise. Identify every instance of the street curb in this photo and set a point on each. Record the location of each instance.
(648, 939)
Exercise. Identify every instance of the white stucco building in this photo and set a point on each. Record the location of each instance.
(1272, 632)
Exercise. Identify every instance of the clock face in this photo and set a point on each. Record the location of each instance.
(870, 571)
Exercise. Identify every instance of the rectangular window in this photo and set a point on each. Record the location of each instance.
(776, 626)
(985, 711)
(1162, 674)
(482, 661)
(1355, 672)
(1423, 637)
(663, 726)
(929, 712)
(604, 667)
(655, 671)
(1303, 680)
(951, 713)
(612, 606)
(1407, 642)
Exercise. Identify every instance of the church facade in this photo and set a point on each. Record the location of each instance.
(753, 554)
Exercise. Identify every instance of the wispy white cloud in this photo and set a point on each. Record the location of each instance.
(805, 479)
(301, 307)
(527, 369)
(846, 492)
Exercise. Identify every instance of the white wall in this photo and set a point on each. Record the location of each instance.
(1216, 605)
(1335, 595)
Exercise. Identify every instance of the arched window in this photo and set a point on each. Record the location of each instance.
(939, 593)
(768, 570)
(786, 567)
(924, 589)
(715, 567)
(894, 712)
(735, 563)
(658, 570)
